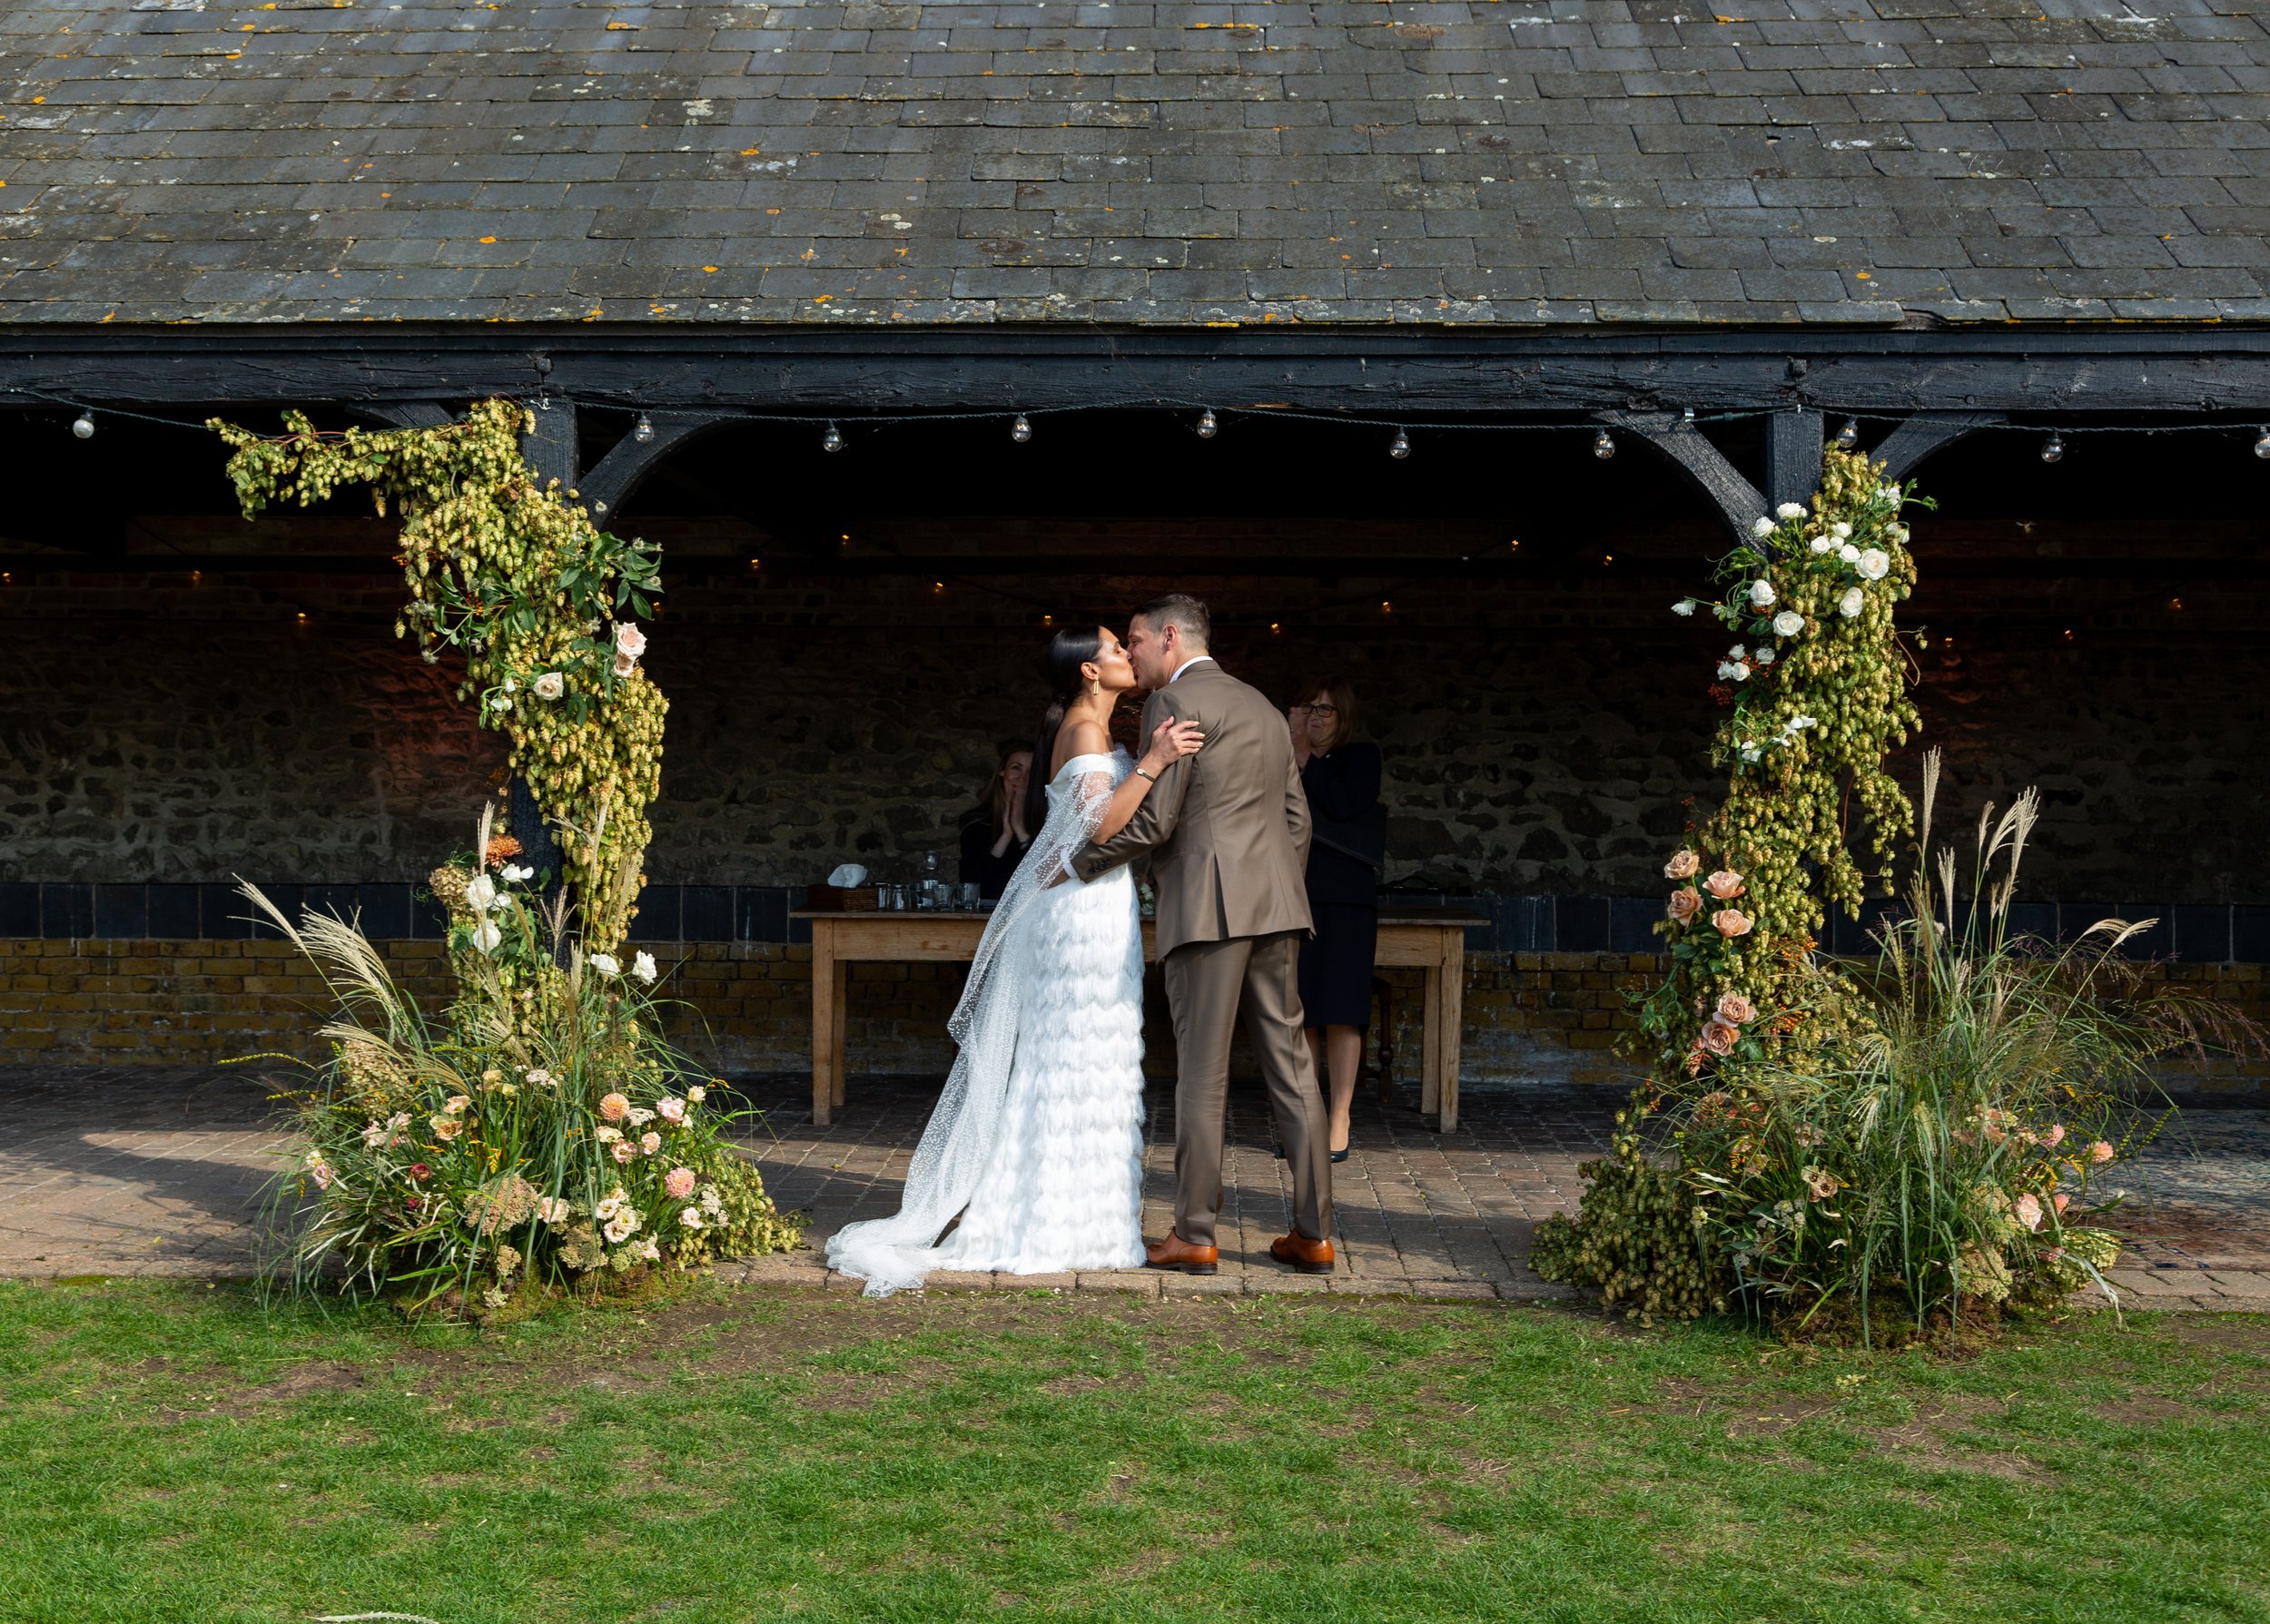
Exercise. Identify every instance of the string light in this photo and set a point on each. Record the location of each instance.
(2053, 448)
(2175, 603)
(1207, 427)
(1604, 445)
(2262, 444)
(1386, 607)
(1400, 447)
(832, 440)
(1848, 435)
(83, 426)
(1020, 430)
(1275, 628)
(757, 563)
(1607, 559)
(643, 430)
(1687, 416)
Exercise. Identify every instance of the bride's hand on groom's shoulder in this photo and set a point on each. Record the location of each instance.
(1171, 741)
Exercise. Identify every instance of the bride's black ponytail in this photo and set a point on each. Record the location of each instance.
(1069, 650)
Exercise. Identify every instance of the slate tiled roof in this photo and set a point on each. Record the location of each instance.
(1131, 160)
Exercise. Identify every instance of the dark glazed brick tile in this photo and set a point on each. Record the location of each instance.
(2034, 919)
(121, 912)
(67, 912)
(385, 911)
(1580, 924)
(657, 918)
(761, 913)
(2157, 941)
(706, 913)
(2203, 935)
(172, 912)
(2250, 934)
(338, 900)
(19, 909)
(429, 921)
(289, 900)
(221, 912)
(2073, 918)
(1631, 925)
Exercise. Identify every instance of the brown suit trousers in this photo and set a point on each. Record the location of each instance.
(1206, 982)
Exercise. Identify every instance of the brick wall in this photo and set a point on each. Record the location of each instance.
(1529, 1016)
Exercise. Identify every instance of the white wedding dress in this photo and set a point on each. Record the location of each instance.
(1036, 1145)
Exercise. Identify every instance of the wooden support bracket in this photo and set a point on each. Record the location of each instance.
(615, 475)
(1918, 437)
(1738, 502)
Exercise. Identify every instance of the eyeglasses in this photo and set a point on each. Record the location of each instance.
(1319, 710)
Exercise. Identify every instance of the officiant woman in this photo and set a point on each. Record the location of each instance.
(1347, 851)
(994, 838)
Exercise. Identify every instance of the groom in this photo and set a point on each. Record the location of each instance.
(1227, 830)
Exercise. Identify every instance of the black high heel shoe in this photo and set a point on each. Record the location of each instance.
(1341, 1156)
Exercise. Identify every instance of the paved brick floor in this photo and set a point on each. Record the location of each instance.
(146, 1170)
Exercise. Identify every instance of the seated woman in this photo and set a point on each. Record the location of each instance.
(995, 837)
(1346, 853)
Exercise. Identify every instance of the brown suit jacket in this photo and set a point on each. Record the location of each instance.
(1226, 830)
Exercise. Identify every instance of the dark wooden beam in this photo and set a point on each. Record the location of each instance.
(1793, 443)
(1907, 446)
(1738, 503)
(550, 447)
(618, 473)
(408, 414)
(841, 371)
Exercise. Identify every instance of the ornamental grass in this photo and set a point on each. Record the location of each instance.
(539, 1135)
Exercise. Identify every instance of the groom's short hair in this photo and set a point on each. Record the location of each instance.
(1183, 612)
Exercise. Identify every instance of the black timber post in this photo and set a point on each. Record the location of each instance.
(1793, 442)
(550, 451)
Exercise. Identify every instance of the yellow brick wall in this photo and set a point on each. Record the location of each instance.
(747, 1006)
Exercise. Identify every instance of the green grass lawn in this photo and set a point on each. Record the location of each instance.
(171, 1453)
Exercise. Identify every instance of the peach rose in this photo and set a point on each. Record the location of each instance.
(679, 1183)
(614, 1107)
(1683, 905)
(1735, 1009)
(2028, 1209)
(1718, 1037)
(1732, 921)
(1682, 866)
(1725, 885)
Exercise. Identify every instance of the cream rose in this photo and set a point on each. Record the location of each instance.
(1717, 1038)
(1853, 601)
(1788, 623)
(1682, 865)
(629, 640)
(550, 685)
(1683, 905)
(1736, 1011)
(1732, 921)
(1872, 563)
(1724, 884)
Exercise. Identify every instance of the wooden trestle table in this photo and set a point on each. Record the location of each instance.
(1429, 939)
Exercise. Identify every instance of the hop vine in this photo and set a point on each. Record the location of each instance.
(510, 571)
(1817, 690)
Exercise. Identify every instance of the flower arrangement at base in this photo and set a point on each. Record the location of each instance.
(540, 1134)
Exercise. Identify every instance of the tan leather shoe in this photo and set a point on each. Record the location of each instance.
(1309, 1257)
(1175, 1253)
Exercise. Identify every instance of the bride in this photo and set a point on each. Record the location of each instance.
(1036, 1145)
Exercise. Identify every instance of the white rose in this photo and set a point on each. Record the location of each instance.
(1823, 544)
(480, 895)
(1788, 623)
(517, 875)
(1849, 553)
(1762, 593)
(1790, 510)
(696, 1094)
(1742, 672)
(629, 640)
(1685, 606)
(607, 964)
(1872, 563)
(1765, 656)
(643, 967)
(1762, 526)
(500, 704)
(550, 685)
(1841, 530)
(487, 937)
(691, 1218)
(1851, 602)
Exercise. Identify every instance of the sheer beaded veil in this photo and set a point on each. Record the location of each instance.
(894, 1254)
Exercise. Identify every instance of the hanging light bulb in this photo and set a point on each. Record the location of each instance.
(1848, 435)
(1604, 445)
(643, 430)
(1687, 416)
(1400, 447)
(2262, 444)
(1020, 430)
(2053, 448)
(83, 426)
(832, 440)
(1207, 427)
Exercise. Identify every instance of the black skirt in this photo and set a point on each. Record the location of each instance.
(1335, 965)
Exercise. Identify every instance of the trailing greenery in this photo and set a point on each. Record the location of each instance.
(510, 571)
(539, 1135)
